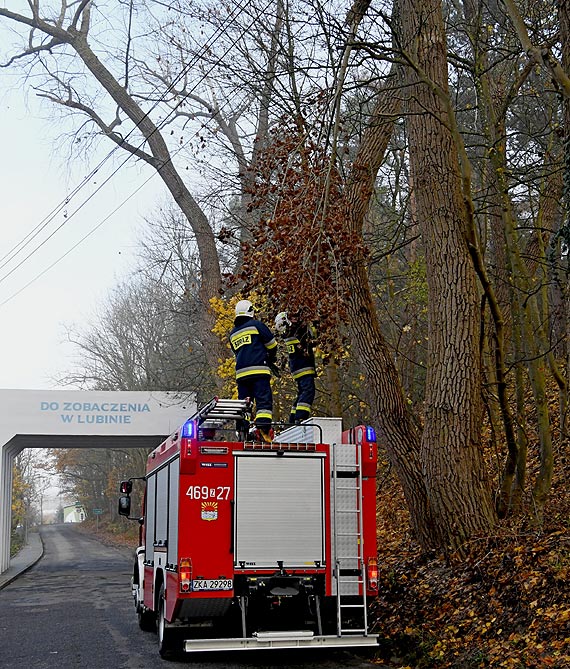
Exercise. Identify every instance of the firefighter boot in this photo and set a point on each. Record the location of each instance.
(253, 434)
(266, 433)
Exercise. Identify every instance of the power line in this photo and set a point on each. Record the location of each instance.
(93, 230)
(68, 218)
(26, 240)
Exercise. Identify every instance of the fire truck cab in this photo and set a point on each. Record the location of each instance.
(249, 545)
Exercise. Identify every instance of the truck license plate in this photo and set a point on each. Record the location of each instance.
(212, 584)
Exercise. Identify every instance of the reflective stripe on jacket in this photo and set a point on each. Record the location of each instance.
(253, 345)
(300, 350)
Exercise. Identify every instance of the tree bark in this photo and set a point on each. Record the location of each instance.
(542, 56)
(451, 453)
(564, 17)
(492, 96)
(396, 429)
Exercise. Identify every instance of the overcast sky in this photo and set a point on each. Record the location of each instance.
(35, 178)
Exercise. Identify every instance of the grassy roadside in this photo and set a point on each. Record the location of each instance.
(123, 534)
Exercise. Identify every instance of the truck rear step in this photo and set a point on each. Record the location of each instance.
(278, 640)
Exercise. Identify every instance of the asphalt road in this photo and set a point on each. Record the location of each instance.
(73, 610)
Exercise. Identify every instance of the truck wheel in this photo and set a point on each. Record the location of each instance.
(166, 637)
(137, 598)
(147, 619)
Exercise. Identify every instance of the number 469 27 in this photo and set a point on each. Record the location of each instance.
(205, 492)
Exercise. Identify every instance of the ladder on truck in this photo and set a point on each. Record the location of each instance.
(348, 541)
(226, 410)
(221, 409)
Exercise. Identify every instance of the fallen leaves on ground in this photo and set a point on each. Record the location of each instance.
(506, 605)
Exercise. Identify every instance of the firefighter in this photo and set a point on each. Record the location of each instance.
(298, 340)
(255, 350)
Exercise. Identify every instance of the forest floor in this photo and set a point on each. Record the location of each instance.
(506, 604)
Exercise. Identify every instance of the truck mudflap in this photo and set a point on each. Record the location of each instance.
(279, 640)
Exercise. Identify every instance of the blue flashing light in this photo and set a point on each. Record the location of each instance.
(188, 429)
(370, 433)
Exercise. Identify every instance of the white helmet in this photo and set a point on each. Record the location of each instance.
(244, 308)
(282, 322)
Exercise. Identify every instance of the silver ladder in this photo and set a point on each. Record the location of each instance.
(221, 409)
(349, 569)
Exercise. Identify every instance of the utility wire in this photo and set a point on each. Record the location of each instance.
(119, 167)
(49, 218)
(26, 240)
(86, 236)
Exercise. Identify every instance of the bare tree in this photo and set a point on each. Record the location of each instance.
(68, 33)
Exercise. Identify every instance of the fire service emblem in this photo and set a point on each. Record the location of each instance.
(209, 511)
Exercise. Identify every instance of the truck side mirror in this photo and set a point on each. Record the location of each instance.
(125, 506)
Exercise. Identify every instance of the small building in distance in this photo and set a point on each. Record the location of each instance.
(73, 513)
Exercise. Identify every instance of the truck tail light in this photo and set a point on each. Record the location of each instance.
(185, 574)
(188, 455)
(372, 573)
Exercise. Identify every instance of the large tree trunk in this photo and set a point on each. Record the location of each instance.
(564, 17)
(451, 452)
(397, 431)
(445, 482)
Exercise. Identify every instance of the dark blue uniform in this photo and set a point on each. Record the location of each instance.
(255, 348)
(302, 365)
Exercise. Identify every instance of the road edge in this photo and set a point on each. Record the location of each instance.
(24, 559)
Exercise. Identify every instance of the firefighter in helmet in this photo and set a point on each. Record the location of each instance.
(255, 350)
(298, 340)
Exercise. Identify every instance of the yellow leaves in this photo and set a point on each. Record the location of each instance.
(226, 372)
(438, 651)
(224, 311)
(563, 616)
(531, 580)
(555, 615)
(226, 368)
(485, 627)
(19, 490)
(506, 606)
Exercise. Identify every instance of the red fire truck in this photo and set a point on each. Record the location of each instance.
(257, 545)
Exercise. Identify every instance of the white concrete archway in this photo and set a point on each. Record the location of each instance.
(79, 419)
